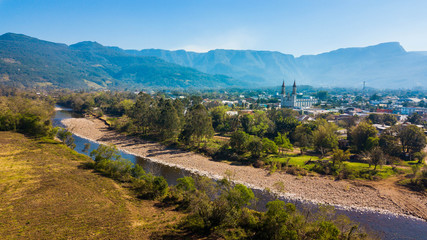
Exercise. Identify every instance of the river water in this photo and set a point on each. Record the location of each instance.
(387, 226)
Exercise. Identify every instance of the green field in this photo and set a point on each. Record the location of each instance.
(363, 169)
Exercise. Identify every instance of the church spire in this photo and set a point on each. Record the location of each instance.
(294, 89)
(283, 88)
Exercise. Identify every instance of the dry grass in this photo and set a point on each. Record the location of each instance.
(45, 193)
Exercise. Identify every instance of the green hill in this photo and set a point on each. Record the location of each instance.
(30, 62)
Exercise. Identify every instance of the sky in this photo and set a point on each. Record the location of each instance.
(295, 27)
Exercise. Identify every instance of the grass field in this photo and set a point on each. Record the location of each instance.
(362, 168)
(46, 193)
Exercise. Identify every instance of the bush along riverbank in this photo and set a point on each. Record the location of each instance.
(220, 209)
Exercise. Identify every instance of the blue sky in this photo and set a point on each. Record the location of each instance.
(295, 26)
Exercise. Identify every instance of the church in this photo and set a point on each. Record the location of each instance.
(292, 101)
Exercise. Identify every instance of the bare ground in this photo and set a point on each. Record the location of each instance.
(382, 196)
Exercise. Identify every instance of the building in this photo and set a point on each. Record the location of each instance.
(293, 101)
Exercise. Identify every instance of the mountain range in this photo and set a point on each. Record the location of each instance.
(28, 62)
(385, 65)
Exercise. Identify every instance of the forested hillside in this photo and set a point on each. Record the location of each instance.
(30, 62)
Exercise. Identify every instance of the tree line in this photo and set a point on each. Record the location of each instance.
(256, 135)
(26, 112)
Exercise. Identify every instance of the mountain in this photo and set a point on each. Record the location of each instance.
(386, 65)
(29, 62)
(255, 67)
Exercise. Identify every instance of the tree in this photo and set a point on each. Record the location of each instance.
(284, 120)
(105, 153)
(144, 112)
(338, 156)
(269, 146)
(415, 118)
(282, 141)
(255, 147)
(420, 156)
(239, 196)
(256, 124)
(219, 118)
(287, 125)
(198, 124)
(389, 144)
(376, 157)
(303, 136)
(376, 118)
(275, 224)
(324, 137)
(168, 120)
(239, 141)
(412, 139)
(322, 95)
(66, 137)
(389, 119)
(362, 136)
(125, 107)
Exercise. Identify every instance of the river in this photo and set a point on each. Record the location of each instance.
(387, 226)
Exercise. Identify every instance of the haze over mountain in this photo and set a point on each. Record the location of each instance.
(385, 65)
(26, 61)
(29, 62)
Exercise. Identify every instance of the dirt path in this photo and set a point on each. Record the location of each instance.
(357, 194)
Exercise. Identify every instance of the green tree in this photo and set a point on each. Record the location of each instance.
(275, 224)
(412, 139)
(324, 137)
(389, 144)
(415, 118)
(256, 124)
(105, 153)
(255, 147)
(376, 157)
(338, 156)
(219, 118)
(362, 136)
(269, 146)
(389, 119)
(144, 112)
(322, 95)
(125, 106)
(303, 136)
(282, 141)
(66, 137)
(198, 124)
(239, 141)
(168, 121)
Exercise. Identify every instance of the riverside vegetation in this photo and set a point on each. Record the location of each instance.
(265, 138)
(220, 209)
(214, 209)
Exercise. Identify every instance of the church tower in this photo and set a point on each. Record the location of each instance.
(283, 88)
(292, 101)
(294, 95)
(294, 89)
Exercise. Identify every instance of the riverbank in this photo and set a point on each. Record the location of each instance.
(382, 196)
